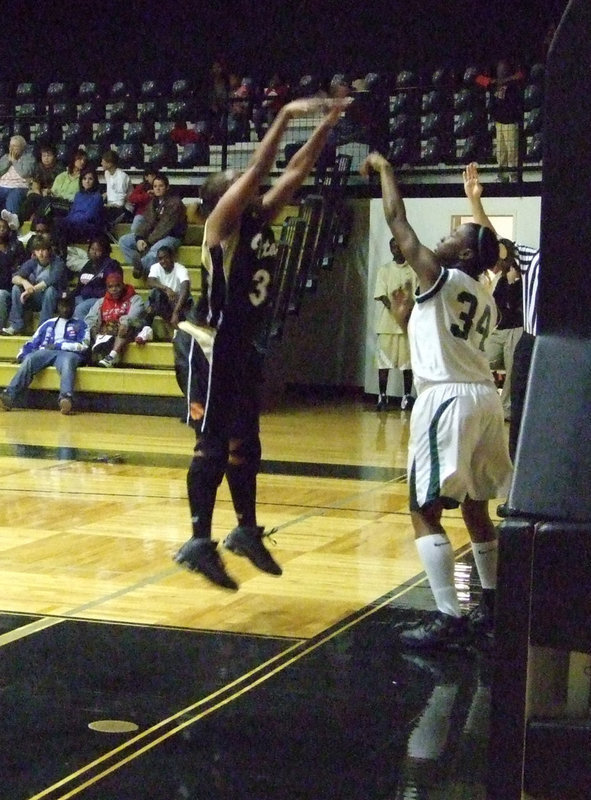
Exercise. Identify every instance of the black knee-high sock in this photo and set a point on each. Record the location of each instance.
(407, 379)
(203, 479)
(241, 474)
(383, 380)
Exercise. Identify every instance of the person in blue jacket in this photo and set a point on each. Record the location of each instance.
(61, 342)
(86, 217)
(36, 286)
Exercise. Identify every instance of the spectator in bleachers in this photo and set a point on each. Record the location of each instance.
(183, 134)
(46, 170)
(164, 223)
(114, 320)
(275, 95)
(358, 118)
(40, 225)
(62, 342)
(141, 195)
(217, 101)
(76, 257)
(86, 217)
(65, 186)
(507, 112)
(16, 171)
(239, 108)
(309, 86)
(117, 205)
(170, 295)
(36, 285)
(92, 278)
(12, 255)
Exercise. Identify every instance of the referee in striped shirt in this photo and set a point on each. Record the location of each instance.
(527, 261)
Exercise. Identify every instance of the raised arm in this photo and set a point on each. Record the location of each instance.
(420, 258)
(230, 206)
(300, 165)
(473, 190)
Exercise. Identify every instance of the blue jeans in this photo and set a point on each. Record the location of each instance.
(83, 306)
(136, 222)
(64, 361)
(4, 307)
(12, 199)
(129, 250)
(45, 301)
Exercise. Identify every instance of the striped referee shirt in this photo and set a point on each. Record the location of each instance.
(528, 263)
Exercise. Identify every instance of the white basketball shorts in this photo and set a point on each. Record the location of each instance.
(458, 445)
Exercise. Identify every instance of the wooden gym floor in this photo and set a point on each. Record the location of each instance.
(124, 676)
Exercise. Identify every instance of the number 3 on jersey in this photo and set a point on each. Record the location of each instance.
(260, 287)
(470, 304)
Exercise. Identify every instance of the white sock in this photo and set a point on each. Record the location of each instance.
(113, 354)
(485, 558)
(478, 715)
(429, 735)
(436, 554)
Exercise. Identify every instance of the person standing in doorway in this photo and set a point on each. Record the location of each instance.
(394, 291)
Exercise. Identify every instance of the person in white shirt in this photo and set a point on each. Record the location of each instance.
(170, 295)
(16, 172)
(394, 290)
(117, 206)
(458, 454)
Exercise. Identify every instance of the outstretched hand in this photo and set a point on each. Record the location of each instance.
(472, 185)
(335, 107)
(374, 161)
(316, 105)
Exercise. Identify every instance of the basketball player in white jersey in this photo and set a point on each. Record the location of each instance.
(458, 453)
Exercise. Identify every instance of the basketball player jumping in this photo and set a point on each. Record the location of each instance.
(218, 362)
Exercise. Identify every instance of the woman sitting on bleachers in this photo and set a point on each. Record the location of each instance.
(46, 170)
(86, 217)
(92, 278)
(64, 187)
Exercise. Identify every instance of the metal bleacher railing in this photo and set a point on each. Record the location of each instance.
(421, 125)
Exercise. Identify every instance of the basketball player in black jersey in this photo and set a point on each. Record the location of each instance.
(218, 359)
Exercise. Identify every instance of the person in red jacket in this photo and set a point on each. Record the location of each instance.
(141, 195)
(114, 320)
